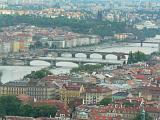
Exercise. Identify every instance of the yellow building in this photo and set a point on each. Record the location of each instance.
(94, 95)
(15, 46)
(12, 90)
(37, 92)
(69, 92)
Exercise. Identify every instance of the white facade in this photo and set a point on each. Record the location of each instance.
(5, 47)
(82, 41)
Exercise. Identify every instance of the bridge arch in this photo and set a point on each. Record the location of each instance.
(96, 56)
(81, 55)
(111, 56)
(39, 63)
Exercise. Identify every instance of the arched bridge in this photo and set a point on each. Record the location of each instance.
(53, 61)
(120, 55)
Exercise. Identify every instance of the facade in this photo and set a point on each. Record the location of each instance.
(70, 92)
(37, 92)
(151, 92)
(94, 95)
(82, 116)
(5, 47)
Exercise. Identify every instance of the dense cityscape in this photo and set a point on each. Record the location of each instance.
(79, 59)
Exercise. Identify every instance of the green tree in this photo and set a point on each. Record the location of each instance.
(26, 110)
(45, 111)
(137, 57)
(87, 68)
(38, 74)
(106, 101)
(102, 28)
(9, 105)
(130, 58)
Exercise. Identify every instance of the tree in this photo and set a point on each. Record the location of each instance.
(130, 58)
(106, 101)
(139, 117)
(137, 57)
(38, 74)
(87, 68)
(9, 105)
(45, 111)
(26, 110)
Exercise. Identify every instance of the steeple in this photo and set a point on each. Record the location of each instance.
(143, 113)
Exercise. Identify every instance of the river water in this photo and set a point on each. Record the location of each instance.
(11, 73)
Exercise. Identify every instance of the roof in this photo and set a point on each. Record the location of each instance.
(142, 77)
(55, 77)
(97, 89)
(24, 98)
(120, 109)
(72, 87)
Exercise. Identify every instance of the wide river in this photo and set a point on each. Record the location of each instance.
(11, 73)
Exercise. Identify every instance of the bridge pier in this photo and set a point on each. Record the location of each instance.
(59, 54)
(118, 57)
(27, 62)
(80, 63)
(88, 56)
(52, 63)
(1, 60)
(141, 44)
(123, 57)
(103, 57)
(4, 61)
(158, 47)
(73, 55)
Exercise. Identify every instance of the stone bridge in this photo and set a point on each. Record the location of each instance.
(59, 52)
(53, 61)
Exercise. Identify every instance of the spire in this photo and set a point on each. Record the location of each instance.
(142, 111)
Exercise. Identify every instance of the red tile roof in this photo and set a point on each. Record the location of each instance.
(98, 90)
(72, 87)
(24, 98)
(54, 77)
(142, 77)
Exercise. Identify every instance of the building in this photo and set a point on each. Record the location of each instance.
(37, 92)
(119, 112)
(94, 95)
(82, 116)
(151, 92)
(70, 92)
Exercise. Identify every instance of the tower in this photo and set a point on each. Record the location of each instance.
(99, 16)
(143, 113)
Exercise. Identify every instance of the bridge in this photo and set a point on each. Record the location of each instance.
(151, 42)
(59, 52)
(53, 61)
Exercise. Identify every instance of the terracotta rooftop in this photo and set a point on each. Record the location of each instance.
(97, 90)
(54, 77)
(72, 87)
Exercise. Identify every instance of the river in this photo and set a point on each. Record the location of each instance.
(11, 73)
